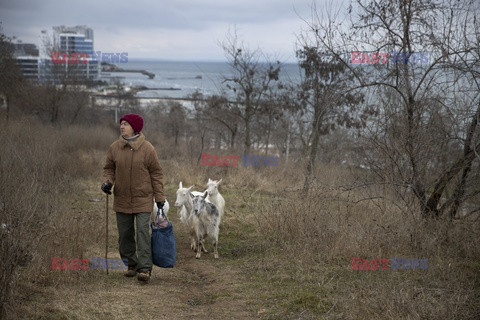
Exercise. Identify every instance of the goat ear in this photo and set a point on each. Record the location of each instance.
(205, 195)
(191, 187)
(209, 180)
(180, 186)
(191, 195)
(219, 181)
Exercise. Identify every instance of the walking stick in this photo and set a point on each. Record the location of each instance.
(106, 235)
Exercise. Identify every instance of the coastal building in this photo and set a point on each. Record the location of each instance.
(72, 53)
(73, 39)
(58, 59)
(27, 58)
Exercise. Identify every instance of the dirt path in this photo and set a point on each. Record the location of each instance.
(205, 288)
(194, 289)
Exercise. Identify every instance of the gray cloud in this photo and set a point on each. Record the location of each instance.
(169, 29)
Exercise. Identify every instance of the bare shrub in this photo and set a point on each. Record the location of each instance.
(336, 222)
(314, 238)
(37, 171)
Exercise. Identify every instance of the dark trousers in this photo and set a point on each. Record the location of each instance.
(139, 252)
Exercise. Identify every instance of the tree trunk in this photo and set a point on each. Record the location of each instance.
(7, 102)
(248, 113)
(287, 151)
(267, 142)
(202, 140)
(233, 136)
(317, 122)
(464, 164)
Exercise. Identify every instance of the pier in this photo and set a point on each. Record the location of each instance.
(106, 67)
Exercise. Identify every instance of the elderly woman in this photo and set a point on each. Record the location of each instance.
(133, 168)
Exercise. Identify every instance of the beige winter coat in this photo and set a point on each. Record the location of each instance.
(134, 170)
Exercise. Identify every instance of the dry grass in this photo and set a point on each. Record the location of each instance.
(41, 174)
(315, 237)
(288, 255)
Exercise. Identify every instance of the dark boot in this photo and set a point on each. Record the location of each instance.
(131, 272)
(144, 275)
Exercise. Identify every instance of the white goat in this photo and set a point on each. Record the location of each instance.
(215, 197)
(206, 221)
(184, 200)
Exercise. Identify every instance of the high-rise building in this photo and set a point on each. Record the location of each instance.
(74, 40)
(65, 42)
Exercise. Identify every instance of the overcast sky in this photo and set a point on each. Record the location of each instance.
(166, 29)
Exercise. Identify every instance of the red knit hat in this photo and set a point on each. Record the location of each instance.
(135, 120)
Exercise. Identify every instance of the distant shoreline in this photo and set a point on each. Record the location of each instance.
(104, 97)
(106, 100)
(194, 61)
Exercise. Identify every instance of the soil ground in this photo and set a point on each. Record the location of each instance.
(204, 288)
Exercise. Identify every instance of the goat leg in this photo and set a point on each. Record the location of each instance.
(215, 249)
(199, 248)
(193, 237)
(203, 243)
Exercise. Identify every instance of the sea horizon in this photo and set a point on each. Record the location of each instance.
(180, 79)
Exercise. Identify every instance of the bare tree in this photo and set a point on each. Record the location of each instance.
(419, 140)
(250, 81)
(10, 77)
(176, 120)
(324, 92)
(63, 79)
(219, 115)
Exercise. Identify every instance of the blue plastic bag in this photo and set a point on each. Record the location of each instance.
(164, 245)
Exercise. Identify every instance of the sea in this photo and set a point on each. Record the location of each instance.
(179, 79)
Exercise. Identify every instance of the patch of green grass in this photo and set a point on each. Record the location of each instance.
(315, 302)
(55, 314)
(284, 290)
(205, 298)
(238, 241)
